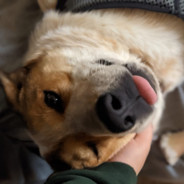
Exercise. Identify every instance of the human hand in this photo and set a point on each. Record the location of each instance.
(136, 151)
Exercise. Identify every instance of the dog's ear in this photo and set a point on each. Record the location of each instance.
(47, 4)
(12, 84)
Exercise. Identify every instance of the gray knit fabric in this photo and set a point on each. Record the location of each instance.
(175, 7)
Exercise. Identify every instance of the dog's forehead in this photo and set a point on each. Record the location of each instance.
(47, 73)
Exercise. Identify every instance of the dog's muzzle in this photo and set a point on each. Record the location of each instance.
(122, 107)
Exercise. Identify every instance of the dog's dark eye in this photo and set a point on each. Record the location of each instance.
(104, 62)
(54, 101)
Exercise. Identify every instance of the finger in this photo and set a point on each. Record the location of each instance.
(145, 136)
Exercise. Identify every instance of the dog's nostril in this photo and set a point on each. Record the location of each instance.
(116, 104)
(129, 121)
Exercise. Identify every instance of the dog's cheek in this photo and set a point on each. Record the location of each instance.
(76, 157)
(77, 152)
(82, 151)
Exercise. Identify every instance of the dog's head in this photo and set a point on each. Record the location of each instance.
(80, 91)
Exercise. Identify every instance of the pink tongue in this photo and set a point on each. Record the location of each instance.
(145, 89)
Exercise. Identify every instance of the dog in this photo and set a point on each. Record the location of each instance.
(92, 80)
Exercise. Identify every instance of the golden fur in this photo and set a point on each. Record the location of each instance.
(62, 57)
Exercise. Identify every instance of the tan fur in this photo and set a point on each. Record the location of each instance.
(62, 57)
(172, 146)
(48, 4)
(80, 146)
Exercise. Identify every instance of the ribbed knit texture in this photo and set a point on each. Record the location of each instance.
(107, 173)
(175, 7)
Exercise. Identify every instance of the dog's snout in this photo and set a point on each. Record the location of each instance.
(120, 108)
(109, 108)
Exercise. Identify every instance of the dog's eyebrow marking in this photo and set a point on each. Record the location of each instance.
(92, 145)
(104, 62)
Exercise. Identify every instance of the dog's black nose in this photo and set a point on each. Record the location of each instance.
(120, 108)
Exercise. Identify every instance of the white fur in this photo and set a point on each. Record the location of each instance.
(170, 154)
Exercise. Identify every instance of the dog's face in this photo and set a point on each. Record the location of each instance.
(78, 96)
